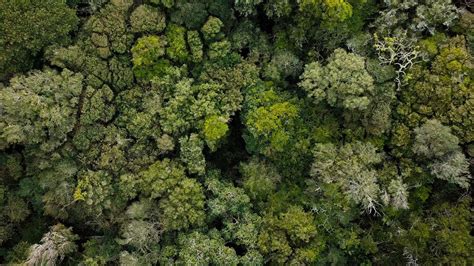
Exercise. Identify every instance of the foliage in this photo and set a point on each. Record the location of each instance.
(450, 238)
(176, 38)
(27, 27)
(146, 57)
(349, 167)
(191, 153)
(147, 19)
(269, 119)
(245, 132)
(436, 142)
(433, 140)
(211, 29)
(260, 179)
(198, 248)
(343, 82)
(290, 237)
(399, 51)
(40, 108)
(427, 15)
(215, 128)
(443, 89)
(228, 200)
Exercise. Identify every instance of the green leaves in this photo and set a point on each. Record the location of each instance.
(331, 11)
(184, 206)
(290, 237)
(27, 27)
(147, 19)
(40, 109)
(228, 200)
(180, 199)
(201, 249)
(160, 177)
(260, 178)
(195, 132)
(270, 122)
(176, 37)
(212, 29)
(444, 227)
(191, 154)
(436, 142)
(147, 53)
(95, 189)
(350, 167)
(433, 140)
(215, 129)
(343, 82)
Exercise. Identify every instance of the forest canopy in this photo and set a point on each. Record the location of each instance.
(236, 132)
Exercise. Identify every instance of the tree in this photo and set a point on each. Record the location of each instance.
(246, 7)
(40, 109)
(160, 177)
(199, 248)
(260, 179)
(147, 57)
(94, 188)
(343, 82)
(398, 192)
(215, 129)
(191, 154)
(27, 27)
(351, 168)
(212, 29)
(435, 13)
(195, 46)
(191, 14)
(454, 169)
(418, 16)
(176, 38)
(331, 11)
(54, 247)
(440, 90)
(16, 209)
(100, 250)
(147, 19)
(110, 23)
(290, 237)
(19, 253)
(399, 51)
(433, 140)
(227, 200)
(184, 206)
(269, 123)
(440, 234)
(180, 199)
(436, 142)
(269, 119)
(283, 64)
(187, 103)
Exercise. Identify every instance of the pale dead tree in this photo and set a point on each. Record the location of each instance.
(398, 51)
(54, 247)
(411, 259)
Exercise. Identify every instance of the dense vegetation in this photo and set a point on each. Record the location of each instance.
(236, 132)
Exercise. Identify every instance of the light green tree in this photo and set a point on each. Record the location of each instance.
(191, 154)
(40, 109)
(343, 82)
